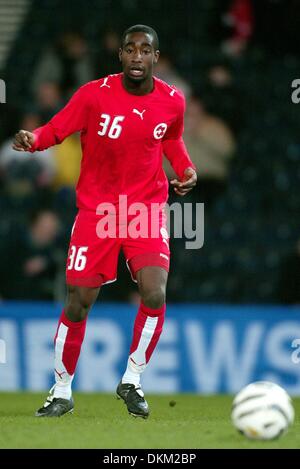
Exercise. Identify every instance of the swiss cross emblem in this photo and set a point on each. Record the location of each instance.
(160, 130)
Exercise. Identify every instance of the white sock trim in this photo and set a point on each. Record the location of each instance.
(131, 374)
(63, 390)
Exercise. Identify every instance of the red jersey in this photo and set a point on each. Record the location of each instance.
(123, 138)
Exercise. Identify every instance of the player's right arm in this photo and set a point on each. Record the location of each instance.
(72, 118)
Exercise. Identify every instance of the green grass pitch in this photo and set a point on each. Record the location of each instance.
(100, 421)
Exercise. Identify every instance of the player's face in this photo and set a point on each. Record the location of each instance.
(138, 56)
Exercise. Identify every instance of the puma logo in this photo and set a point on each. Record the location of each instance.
(135, 111)
(105, 82)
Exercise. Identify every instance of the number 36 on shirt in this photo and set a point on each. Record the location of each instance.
(111, 129)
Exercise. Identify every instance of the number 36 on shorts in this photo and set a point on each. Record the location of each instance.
(77, 259)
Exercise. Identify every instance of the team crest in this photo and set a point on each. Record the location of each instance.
(160, 131)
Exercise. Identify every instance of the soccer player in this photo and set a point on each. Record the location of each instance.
(127, 122)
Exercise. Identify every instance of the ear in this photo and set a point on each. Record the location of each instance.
(120, 54)
(156, 56)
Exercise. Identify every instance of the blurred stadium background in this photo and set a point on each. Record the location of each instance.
(233, 313)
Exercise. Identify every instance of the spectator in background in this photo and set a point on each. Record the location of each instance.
(239, 20)
(67, 64)
(289, 278)
(223, 96)
(36, 259)
(220, 76)
(166, 71)
(107, 57)
(48, 100)
(211, 145)
(37, 168)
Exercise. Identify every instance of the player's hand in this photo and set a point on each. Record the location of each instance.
(23, 140)
(189, 180)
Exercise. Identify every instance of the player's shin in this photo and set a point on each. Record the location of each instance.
(68, 340)
(146, 332)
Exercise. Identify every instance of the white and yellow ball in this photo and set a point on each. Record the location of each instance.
(262, 411)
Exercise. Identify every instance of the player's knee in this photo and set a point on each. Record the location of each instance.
(75, 311)
(78, 304)
(154, 298)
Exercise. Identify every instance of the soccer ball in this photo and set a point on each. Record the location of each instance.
(262, 411)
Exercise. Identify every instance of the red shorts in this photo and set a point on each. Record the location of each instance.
(93, 260)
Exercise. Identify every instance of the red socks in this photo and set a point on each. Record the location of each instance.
(146, 332)
(68, 339)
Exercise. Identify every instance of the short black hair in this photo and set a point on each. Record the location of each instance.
(142, 28)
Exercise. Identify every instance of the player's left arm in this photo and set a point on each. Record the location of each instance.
(176, 152)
